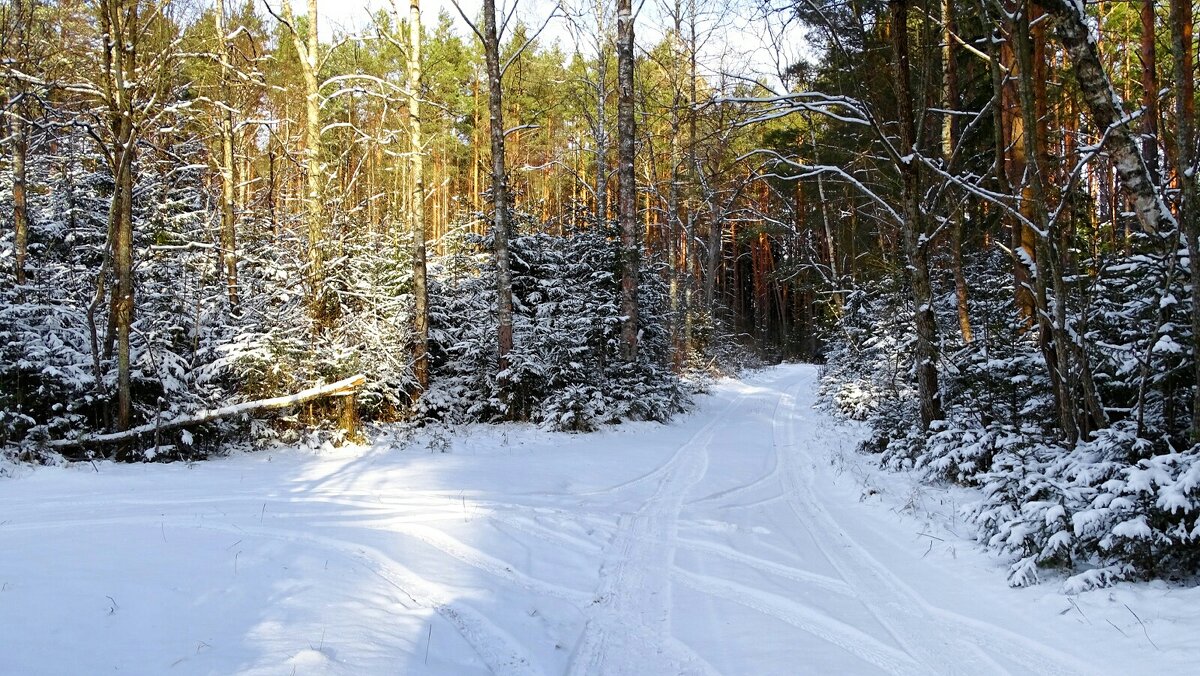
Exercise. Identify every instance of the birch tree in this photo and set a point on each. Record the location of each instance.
(417, 200)
(227, 162)
(308, 48)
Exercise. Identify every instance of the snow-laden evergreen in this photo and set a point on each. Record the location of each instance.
(192, 349)
(565, 371)
(1121, 503)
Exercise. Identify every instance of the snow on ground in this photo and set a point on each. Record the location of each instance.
(748, 538)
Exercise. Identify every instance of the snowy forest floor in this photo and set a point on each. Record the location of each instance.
(747, 538)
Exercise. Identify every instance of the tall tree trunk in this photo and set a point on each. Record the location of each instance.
(417, 210)
(949, 138)
(228, 185)
(674, 223)
(1183, 55)
(1010, 161)
(1000, 142)
(119, 23)
(835, 270)
(121, 223)
(475, 144)
(1051, 310)
(500, 227)
(716, 227)
(601, 131)
(627, 205)
(19, 144)
(314, 171)
(675, 245)
(689, 251)
(913, 228)
(675, 227)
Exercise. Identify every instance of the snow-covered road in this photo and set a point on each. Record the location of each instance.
(745, 539)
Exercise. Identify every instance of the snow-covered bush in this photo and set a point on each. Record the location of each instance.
(190, 349)
(565, 369)
(867, 361)
(1093, 511)
(1124, 501)
(56, 375)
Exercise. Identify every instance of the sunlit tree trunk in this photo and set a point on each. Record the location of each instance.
(1149, 89)
(307, 47)
(627, 203)
(228, 184)
(19, 145)
(500, 225)
(949, 138)
(601, 126)
(118, 20)
(417, 208)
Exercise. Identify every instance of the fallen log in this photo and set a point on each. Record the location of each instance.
(341, 388)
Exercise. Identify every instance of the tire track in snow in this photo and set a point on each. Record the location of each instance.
(912, 620)
(852, 640)
(666, 466)
(771, 475)
(452, 504)
(630, 620)
(539, 530)
(795, 574)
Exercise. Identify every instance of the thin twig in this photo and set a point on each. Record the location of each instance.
(428, 636)
(1144, 630)
(1078, 609)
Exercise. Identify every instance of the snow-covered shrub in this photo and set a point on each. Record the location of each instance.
(565, 369)
(868, 361)
(56, 359)
(1091, 510)
(190, 349)
(1121, 503)
(1024, 512)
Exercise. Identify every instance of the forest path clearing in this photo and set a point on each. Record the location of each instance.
(747, 538)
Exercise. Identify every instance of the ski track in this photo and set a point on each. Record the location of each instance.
(631, 618)
(908, 617)
(796, 574)
(810, 621)
(625, 624)
(663, 468)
